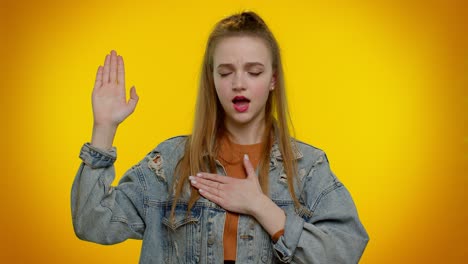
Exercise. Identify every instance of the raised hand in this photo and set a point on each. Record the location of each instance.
(110, 106)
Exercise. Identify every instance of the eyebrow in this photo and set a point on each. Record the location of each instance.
(247, 65)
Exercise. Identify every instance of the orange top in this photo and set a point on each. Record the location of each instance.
(231, 156)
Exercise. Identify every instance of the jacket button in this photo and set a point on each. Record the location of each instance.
(264, 259)
(210, 241)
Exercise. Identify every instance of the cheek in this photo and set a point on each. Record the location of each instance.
(262, 90)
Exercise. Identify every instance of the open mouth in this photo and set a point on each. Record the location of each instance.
(241, 103)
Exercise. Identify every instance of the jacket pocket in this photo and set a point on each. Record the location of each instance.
(184, 234)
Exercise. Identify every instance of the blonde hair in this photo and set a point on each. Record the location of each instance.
(201, 147)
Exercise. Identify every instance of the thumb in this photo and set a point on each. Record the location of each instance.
(133, 99)
(248, 167)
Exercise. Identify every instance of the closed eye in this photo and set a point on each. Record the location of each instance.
(224, 74)
(251, 73)
(255, 73)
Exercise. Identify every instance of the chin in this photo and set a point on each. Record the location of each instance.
(242, 119)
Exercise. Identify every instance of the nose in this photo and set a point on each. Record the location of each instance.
(238, 82)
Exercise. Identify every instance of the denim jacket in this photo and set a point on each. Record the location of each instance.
(325, 229)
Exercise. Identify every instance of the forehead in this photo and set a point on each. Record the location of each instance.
(239, 50)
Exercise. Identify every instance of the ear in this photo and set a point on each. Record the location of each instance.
(273, 81)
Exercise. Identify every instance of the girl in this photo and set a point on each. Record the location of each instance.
(238, 189)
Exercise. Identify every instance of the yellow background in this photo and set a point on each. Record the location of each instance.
(380, 86)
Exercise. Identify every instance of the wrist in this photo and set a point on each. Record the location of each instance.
(103, 136)
(270, 216)
(259, 205)
(104, 126)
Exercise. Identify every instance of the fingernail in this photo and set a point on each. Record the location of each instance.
(190, 177)
(246, 157)
(193, 181)
(199, 174)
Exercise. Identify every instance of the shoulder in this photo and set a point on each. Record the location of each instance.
(173, 142)
(173, 146)
(315, 161)
(170, 150)
(309, 153)
(318, 180)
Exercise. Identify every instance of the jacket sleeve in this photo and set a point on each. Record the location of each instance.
(102, 213)
(333, 234)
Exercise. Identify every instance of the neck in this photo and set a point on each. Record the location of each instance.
(246, 134)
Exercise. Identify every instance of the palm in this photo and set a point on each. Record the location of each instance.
(110, 106)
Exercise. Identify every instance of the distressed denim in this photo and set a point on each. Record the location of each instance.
(325, 229)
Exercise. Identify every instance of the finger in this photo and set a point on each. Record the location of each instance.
(132, 102)
(120, 71)
(212, 197)
(213, 190)
(106, 70)
(98, 82)
(248, 166)
(214, 177)
(205, 183)
(113, 67)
